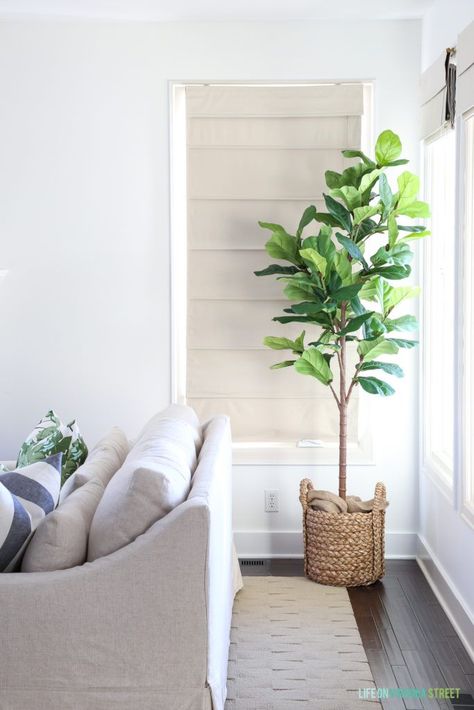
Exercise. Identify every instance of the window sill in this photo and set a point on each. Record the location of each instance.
(288, 454)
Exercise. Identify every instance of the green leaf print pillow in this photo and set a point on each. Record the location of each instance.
(49, 437)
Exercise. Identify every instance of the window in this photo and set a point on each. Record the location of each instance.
(256, 153)
(438, 318)
(468, 315)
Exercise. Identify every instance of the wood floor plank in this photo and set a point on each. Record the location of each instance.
(462, 656)
(404, 680)
(456, 678)
(425, 673)
(402, 617)
(384, 677)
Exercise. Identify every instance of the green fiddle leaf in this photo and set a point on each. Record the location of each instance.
(308, 307)
(416, 235)
(309, 243)
(392, 230)
(280, 365)
(338, 212)
(393, 296)
(299, 286)
(314, 260)
(353, 174)
(366, 227)
(408, 188)
(415, 209)
(350, 195)
(388, 367)
(355, 323)
(281, 245)
(276, 269)
(370, 349)
(407, 322)
(352, 249)
(361, 213)
(325, 246)
(313, 363)
(374, 290)
(308, 215)
(293, 319)
(374, 327)
(387, 148)
(326, 219)
(359, 154)
(369, 179)
(385, 193)
(343, 267)
(346, 293)
(411, 228)
(373, 385)
(393, 163)
(393, 272)
(402, 343)
(400, 254)
(333, 179)
(281, 344)
(297, 292)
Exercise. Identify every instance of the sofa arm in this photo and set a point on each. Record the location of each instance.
(133, 620)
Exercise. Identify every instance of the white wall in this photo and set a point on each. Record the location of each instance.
(84, 227)
(441, 25)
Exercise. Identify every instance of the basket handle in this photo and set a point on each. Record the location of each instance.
(380, 497)
(305, 486)
(378, 517)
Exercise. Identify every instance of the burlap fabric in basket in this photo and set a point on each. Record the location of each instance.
(344, 549)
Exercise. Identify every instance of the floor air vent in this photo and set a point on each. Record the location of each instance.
(252, 563)
(258, 568)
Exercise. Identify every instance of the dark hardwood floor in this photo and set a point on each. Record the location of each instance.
(408, 639)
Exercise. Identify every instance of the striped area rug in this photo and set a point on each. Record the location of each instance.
(295, 646)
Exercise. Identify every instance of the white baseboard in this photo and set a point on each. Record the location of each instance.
(258, 544)
(448, 596)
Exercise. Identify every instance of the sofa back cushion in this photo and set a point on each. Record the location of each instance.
(153, 480)
(102, 462)
(27, 495)
(60, 541)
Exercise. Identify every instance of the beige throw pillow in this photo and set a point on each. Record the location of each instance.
(154, 479)
(102, 462)
(60, 541)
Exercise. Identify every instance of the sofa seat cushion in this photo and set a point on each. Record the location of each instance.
(153, 480)
(60, 541)
(103, 461)
(26, 497)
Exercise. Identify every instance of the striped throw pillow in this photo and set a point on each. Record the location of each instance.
(27, 495)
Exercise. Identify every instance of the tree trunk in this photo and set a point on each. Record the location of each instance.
(342, 410)
(342, 449)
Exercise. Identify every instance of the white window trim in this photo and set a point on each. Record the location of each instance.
(261, 453)
(433, 466)
(465, 369)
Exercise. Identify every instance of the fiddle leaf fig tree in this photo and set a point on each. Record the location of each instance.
(343, 280)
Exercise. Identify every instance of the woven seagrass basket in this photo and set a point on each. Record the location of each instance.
(344, 549)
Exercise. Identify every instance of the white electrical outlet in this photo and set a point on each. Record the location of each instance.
(272, 501)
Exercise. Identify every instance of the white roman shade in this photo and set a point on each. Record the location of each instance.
(256, 153)
(465, 83)
(433, 97)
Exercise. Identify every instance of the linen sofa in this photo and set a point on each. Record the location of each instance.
(144, 628)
